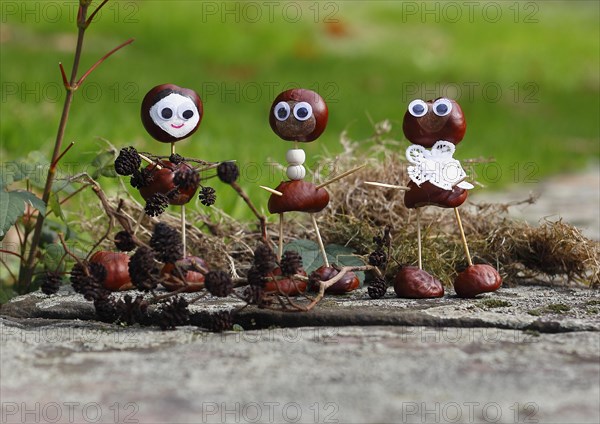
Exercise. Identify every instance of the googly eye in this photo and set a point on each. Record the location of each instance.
(166, 113)
(417, 108)
(442, 107)
(282, 111)
(302, 111)
(186, 110)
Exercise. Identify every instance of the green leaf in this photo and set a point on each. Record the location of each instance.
(55, 207)
(6, 293)
(336, 254)
(104, 159)
(12, 207)
(30, 198)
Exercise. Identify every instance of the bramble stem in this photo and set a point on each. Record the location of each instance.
(27, 267)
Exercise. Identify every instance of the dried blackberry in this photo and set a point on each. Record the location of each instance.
(218, 283)
(255, 277)
(106, 308)
(143, 269)
(228, 172)
(176, 158)
(207, 196)
(173, 312)
(156, 204)
(291, 262)
(141, 179)
(220, 321)
(87, 279)
(128, 161)
(167, 243)
(264, 259)
(377, 288)
(124, 241)
(51, 282)
(378, 258)
(132, 311)
(186, 178)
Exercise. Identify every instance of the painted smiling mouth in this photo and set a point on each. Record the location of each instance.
(177, 126)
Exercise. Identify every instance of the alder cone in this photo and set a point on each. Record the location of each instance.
(162, 182)
(477, 279)
(288, 286)
(117, 269)
(428, 194)
(298, 196)
(194, 279)
(413, 283)
(349, 282)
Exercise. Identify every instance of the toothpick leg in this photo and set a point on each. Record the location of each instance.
(462, 235)
(183, 237)
(280, 251)
(319, 240)
(419, 238)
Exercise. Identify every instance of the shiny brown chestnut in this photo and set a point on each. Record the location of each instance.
(477, 279)
(429, 128)
(290, 286)
(428, 194)
(117, 269)
(194, 279)
(298, 196)
(414, 283)
(298, 115)
(162, 182)
(171, 113)
(349, 282)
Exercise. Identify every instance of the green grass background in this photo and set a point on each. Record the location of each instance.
(366, 58)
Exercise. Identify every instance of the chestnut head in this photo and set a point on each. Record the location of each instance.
(434, 120)
(171, 113)
(298, 115)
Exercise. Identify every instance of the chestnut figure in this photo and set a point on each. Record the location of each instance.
(298, 115)
(434, 128)
(171, 113)
(288, 286)
(349, 282)
(298, 196)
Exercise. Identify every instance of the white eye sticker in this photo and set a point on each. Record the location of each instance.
(186, 111)
(303, 111)
(282, 111)
(442, 107)
(417, 108)
(176, 115)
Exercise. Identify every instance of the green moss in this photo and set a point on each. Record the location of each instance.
(535, 312)
(557, 308)
(593, 302)
(493, 303)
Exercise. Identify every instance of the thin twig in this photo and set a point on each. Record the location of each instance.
(102, 59)
(93, 15)
(342, 175)
(71, 144)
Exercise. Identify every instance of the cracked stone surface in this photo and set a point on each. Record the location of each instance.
(379, 374)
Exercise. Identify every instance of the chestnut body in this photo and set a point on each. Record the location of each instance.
(349, 282)
(194, 279)
(298, 196)
(162, 182)
(429, 195)
(289, 286)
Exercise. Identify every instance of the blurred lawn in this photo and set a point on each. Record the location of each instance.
(528, 79)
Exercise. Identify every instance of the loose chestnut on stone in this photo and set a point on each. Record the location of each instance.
(414, 283)
(298, 196)
(349, 282)
(477, 279)
(289, 286)
(117, 269)
(171, 113)
(298, 115)
(194, 279)
(162, 182)
(428, 194)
